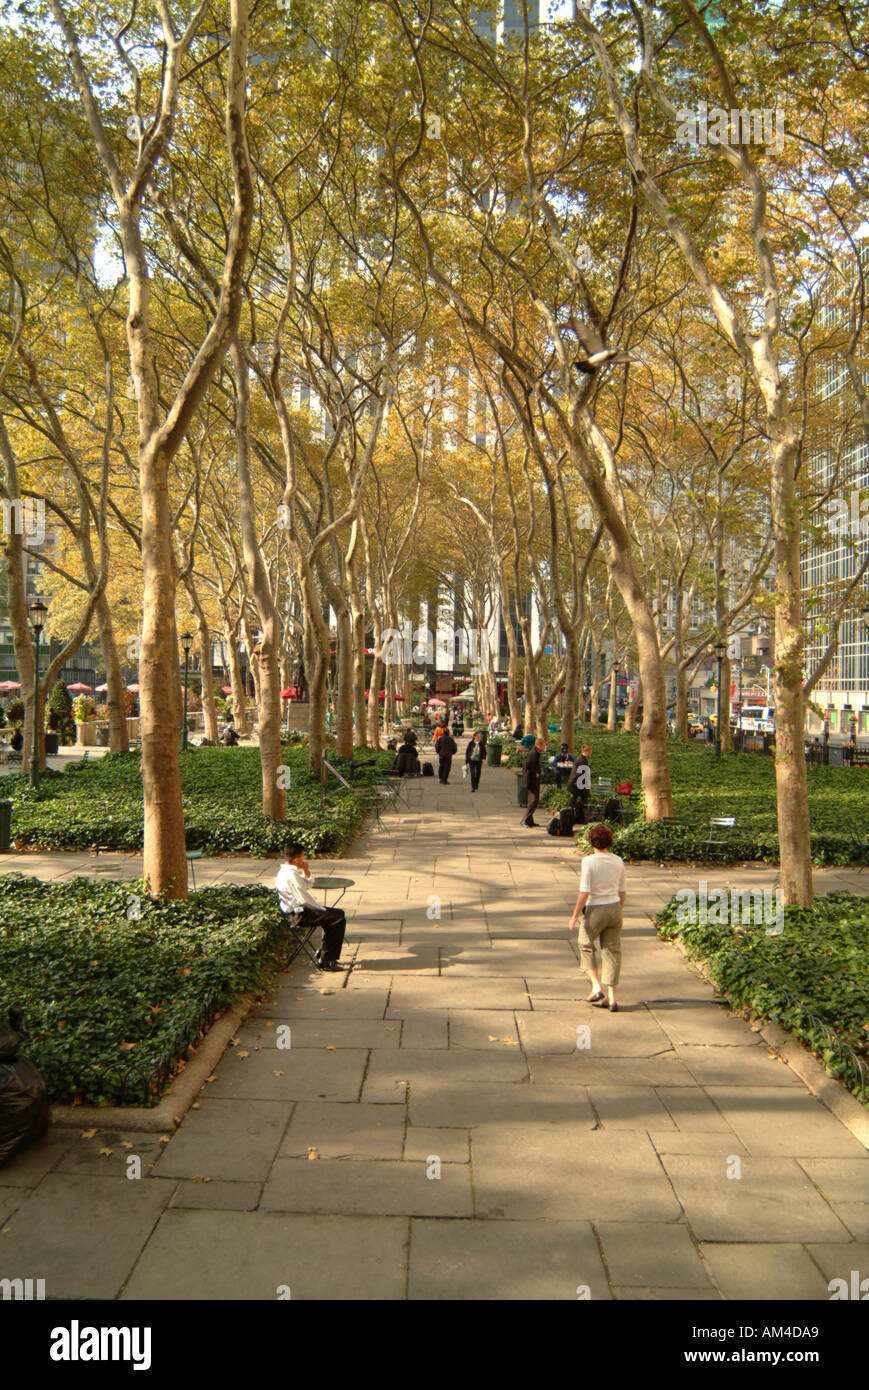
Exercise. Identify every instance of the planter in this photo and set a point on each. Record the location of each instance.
(493, 754)
(52, 744)
(85, 734)
(521, 792)
(102, 735)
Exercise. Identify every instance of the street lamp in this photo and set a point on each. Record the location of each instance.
(38, 614)
(186, 644)
(719, 650)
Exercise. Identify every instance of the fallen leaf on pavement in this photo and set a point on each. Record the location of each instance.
(106, 1153)
(88, 1133)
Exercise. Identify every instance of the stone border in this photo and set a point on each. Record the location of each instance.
(167, 1116)
(830, 1092)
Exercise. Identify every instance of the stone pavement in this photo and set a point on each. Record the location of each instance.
(433, 1130)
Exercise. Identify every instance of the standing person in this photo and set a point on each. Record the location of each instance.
(474, 758)
(445, 747)
(601, 899)
(531, 780)
(852, 745)
(293, 882)
(579, 783)
(440, 728)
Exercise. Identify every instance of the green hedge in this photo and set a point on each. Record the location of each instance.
(813, 979)
(113, 1004)
(99, 803)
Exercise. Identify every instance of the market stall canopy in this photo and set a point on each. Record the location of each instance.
(80, 686)
(6, 686)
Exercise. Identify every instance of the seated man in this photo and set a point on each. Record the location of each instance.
(563, 765)
(294, 895)
(407, 760)
(17, 741)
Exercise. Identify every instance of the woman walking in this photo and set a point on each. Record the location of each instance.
(474, 758)
(601, 899)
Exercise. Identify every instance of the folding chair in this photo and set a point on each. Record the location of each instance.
(718, 842)
(301, 936)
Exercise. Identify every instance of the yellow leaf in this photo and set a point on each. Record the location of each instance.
(106, 1153)
(125, 1144)
(277, 1073)
(269, 1023)
(330, 1047)
(164, 1139)
(88, 1133)
(242, 1054)
(313, 1151)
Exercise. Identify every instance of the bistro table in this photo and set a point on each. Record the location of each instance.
(332, 885)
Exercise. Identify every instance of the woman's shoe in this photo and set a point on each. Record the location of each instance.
(593, 998)
(601, 1003)
(614, 1008)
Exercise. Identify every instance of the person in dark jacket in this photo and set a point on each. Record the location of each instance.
(410, 737)
(531, 781)
(229, 737)
(579, 784)
(407, 760)
(17, 741)
(563, 765)
(517, 733)
(474, 758)
(445, 748)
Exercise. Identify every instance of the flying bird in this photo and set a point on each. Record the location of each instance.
(597, 354)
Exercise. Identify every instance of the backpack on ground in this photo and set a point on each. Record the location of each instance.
(613, 809)
(427, 770)
(554, 826)
(567, 817)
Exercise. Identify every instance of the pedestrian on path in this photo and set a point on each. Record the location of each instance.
(531, 780)
(293, 882)
(445, 747)
(600, 900)
(474, 758)
(579, 783)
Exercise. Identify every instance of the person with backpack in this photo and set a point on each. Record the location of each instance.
(579, 783)
(474, 758)
(445, 747)
(601, 900)
(531, 781)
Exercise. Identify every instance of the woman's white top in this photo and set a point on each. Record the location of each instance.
(603, 878)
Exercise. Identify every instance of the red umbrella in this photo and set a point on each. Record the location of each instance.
(134, 689)
(6, 686)
(79, 685)
(98, 689)
(402, 698)
(289, 693)
(226, 689)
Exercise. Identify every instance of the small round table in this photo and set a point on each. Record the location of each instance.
(333, 883)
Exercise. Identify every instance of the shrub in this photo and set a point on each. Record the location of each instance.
(813, 979)
(60, 719)
(15, 711)
(113, 1004)
(83, 708)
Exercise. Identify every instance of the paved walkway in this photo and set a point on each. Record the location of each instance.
(435, 1132)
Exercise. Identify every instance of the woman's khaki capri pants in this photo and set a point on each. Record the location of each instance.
(602, 926)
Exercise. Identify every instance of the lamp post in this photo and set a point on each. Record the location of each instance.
(38, 614)
(719, 650)
(186, 644)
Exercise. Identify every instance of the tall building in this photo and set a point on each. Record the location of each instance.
(843, 691)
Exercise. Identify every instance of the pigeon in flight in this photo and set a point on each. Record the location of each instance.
(597, 354)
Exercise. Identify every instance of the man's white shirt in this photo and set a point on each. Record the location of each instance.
(293, 894)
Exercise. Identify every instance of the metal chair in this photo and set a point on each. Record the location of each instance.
(718, 841)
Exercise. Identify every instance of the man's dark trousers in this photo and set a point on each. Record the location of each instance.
(445, 762)
(475, 773)
(334, 924)
(533, 799)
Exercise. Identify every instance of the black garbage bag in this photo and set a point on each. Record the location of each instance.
(24, 1112)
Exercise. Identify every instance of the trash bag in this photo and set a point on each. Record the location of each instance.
(24, 1112)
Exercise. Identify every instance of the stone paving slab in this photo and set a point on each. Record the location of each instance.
(625, 1034)
(637, 1253)
(301, 1073)
(772, 1200)
(366, 1188)
(344, 1131)
(449, 1145)
(217, 1196)
(227, 1255)
(318, 1033)
(765, 1273)
(738, 1066)
(504, 1260)
(578, 1175)
(227, 1140)
(785, 1121)
(82, 1234)
(467, 1104)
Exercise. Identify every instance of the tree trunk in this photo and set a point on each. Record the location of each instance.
(612, 717)
(119, 738)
